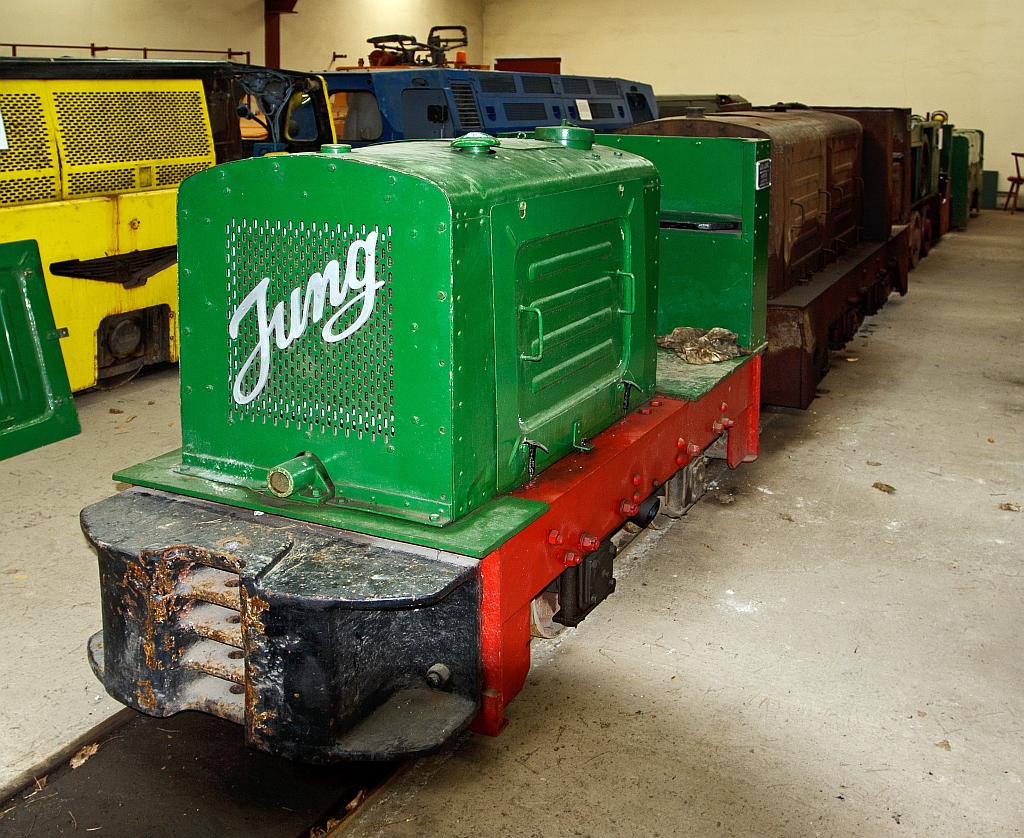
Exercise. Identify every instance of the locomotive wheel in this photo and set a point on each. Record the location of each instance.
(926, 234)
(914, 244)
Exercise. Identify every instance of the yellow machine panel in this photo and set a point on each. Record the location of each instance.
(29, 168)
(90, 171)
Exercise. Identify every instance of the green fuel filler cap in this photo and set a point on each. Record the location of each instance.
(567, 134)
(475, 142)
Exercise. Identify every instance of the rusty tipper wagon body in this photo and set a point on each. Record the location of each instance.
(824, 273)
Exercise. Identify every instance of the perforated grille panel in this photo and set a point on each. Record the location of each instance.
(123, 126)
(30, 150)
(108, 180)
(108, 131)
(27, 135)
(170, 175)
(23, 190)
(345, 387)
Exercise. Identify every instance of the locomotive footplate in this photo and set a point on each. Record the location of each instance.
(325, 644)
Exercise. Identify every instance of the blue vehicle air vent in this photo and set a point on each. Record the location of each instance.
(606, 87)
(571, 84)
(523, 111)
(497, 82)
(601, 110)
(465, 106)
(537, 84)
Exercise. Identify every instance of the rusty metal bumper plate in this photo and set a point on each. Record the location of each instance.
(317, 640)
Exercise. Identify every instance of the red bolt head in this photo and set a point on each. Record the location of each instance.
(718, 427)
(725, 407)
(693, 449)
(680, 459)
(589, 542)
(636, 479)
(728, 422)
(572, 558)
(646, 411)
(554, 537)
(629, 509)
(680, 443)
(656, 402)
(637, 496)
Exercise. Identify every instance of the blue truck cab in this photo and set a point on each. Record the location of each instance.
(435, 102)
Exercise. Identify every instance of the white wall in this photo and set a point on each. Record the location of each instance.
(308, 38)
(958, 56)
(323, 27)
(963, 57)
(181, 24)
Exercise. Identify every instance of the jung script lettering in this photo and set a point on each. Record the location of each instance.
(321, 289)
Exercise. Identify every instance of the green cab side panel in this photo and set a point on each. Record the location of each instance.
(714, 231)
(36, 407)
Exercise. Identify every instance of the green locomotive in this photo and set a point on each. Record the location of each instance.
(420, 391)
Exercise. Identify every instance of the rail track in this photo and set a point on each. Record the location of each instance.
(187, 775)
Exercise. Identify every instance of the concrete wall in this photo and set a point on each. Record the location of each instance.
(184, 24)
(943, 54)
(946, 54)
(323, 27)
(308, 38)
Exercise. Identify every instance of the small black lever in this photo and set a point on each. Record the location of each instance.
(627, 389)
(531, 447)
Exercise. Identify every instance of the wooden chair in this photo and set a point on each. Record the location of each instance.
(1015, 182)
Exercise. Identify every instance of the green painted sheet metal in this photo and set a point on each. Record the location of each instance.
(965, 171)
(342, 306)
(476, 534)
(36, 407)
(710, 276)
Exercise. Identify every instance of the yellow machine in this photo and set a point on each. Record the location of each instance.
(91, 156)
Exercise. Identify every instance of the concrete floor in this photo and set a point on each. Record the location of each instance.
(49, 580)
(802, 655)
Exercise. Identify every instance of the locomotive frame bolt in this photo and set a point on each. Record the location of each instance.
(572, 558)
(628, 508)
(589, 543)
(438, 676)
(637, 479)
(555, 537)
(693, 449)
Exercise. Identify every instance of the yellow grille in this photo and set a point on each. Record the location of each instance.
(169, 175)
(23, 190)
(124, 126)
(28, 167)
(114, 135)
(108, 180)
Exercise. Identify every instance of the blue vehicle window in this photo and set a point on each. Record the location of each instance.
(302, 119)
(356, 116)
